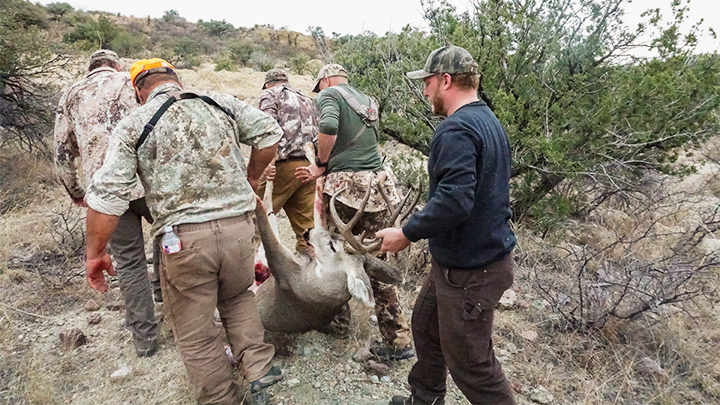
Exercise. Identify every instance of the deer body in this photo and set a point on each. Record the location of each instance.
(305, 293)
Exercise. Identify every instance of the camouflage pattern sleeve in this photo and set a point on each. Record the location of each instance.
(268, 104)
(113, 184)
(254, 127)
(66, 151)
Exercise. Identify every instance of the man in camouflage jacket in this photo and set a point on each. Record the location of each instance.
(199, 188)
(297, 116)
(348, 158)
(86, 115)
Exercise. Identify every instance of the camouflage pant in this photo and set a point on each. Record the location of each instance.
(394, 328)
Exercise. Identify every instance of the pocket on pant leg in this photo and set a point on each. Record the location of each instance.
(182, 269)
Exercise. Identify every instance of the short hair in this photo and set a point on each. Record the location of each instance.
(157, 78)
(104, 62)
(466, 81)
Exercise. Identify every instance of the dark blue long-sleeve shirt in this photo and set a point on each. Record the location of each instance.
(467, 215)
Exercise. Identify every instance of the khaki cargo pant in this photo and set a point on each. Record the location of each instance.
(128, 250)
(296, 198)
(393, 326)
(214, 269)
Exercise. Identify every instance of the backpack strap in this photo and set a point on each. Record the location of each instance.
(358, 108)
(170, 101)
(151, 124)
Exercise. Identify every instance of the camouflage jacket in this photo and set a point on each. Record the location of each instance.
(297, 116)
(355, 185)
(190, 164)
(86, 115)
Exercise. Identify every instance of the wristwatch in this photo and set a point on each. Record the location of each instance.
(318, 163)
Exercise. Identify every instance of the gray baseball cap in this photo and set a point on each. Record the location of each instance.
(448, 59)
(104, 54)
(275, 75)
(332, 69)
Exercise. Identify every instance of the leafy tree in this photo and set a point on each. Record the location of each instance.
(128, 45)
(26, 108)
(559, 76)
(58, 10)
(171, 16)
(216, 28)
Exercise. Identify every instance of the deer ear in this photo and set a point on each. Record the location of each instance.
(360, 289)
(381, 270)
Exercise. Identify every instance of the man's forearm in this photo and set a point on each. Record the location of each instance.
(100, 228)
(259, 159)
(325, 145)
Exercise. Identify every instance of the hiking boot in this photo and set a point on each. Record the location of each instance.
(401, 400)
(259, 398)
(146, 349)
(384, 352)
(270, 378)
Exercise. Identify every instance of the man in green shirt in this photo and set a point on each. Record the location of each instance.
(347, 157)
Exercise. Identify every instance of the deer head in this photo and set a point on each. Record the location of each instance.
(396, 215)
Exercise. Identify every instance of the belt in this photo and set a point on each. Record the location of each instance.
(291, 159)
(189, 227)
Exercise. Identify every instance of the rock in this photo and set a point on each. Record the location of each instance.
(94, 319)
(649, 366)
(377, 368)
(113, 307)
(507, 301)
(91, 305)
(363, 353)
(530, 335)
(72, 339)
(386, 379)
(373, 319)
(293, 382)
(120, 373)
(317, 384)
(59, 322)
(374, 379)
(541, 395)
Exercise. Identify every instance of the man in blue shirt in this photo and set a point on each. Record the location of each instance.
(466, 222)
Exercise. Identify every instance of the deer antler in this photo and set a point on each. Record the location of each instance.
(356, 244)
(346, 229)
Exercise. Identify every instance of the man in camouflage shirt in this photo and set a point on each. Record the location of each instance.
(197, 186)
(348, 157)
(86, 115)
(297, 116)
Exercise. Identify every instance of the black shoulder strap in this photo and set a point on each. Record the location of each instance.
(170, 101)
(151, 124)
(188, 95)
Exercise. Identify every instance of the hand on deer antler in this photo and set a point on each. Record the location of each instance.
(393, 240)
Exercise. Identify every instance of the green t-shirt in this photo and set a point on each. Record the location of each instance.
(338, 118)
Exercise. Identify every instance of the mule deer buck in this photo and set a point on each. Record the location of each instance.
(304, 293)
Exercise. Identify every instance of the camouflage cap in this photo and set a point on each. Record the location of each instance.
(330, 70)
(448, 59)
(275, 75)
(104, 54)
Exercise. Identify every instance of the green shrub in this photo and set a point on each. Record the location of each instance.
(242, 50)
(262, 61)
(298, 64)
(58, 10)
(100, 32)
(224, 61)
(127, 45)
(216, 28)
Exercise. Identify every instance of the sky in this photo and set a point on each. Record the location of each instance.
(348, 17)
